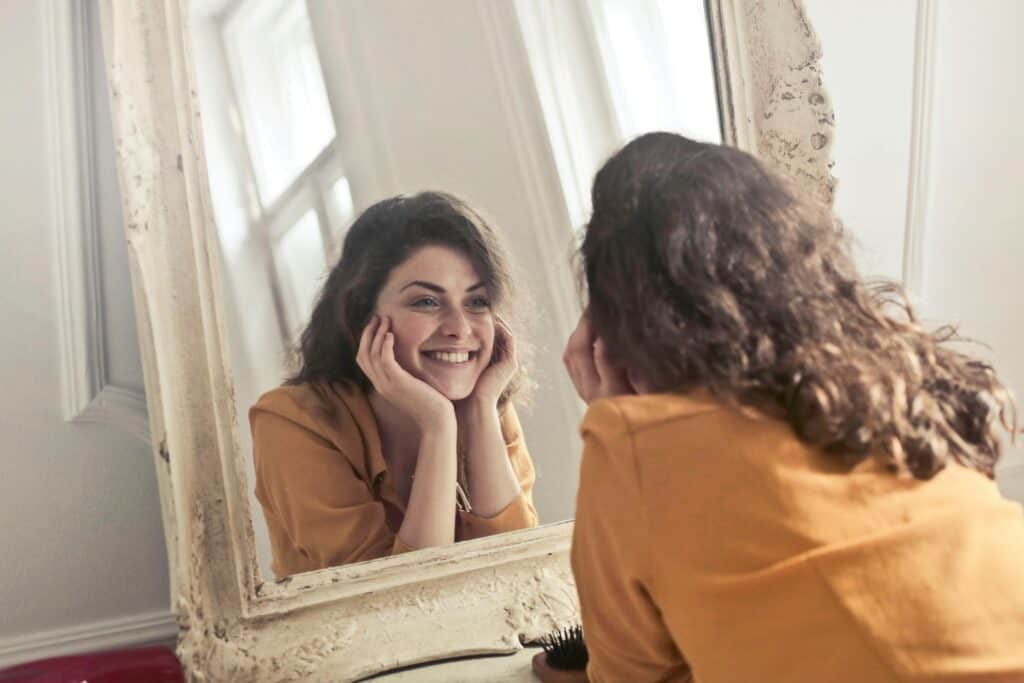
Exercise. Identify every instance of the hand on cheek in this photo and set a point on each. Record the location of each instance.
(376, 357)
(590, 367)
(501, 368)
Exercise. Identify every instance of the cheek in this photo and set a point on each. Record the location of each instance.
(410, 333)
(485, 333)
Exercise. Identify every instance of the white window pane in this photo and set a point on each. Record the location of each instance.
(299, 258)
(657, 56)
(280, 90)
(341, 204)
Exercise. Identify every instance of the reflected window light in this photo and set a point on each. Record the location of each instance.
(300, 262)
(657, 59)
(342, 206)
(281, 92)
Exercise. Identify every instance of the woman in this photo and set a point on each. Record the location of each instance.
(783, 479)
(397, 432)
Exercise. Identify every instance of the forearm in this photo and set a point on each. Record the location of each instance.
(492, 481)
(430, 515)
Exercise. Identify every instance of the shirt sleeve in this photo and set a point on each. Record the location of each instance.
(520, 513)
(622, 627)
(311, 492)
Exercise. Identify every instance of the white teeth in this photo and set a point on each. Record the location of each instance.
(446, 357)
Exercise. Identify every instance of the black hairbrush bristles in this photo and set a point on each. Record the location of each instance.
(565, 649)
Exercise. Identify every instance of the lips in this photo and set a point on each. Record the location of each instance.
(451, 357)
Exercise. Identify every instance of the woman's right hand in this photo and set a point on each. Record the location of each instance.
(376, 357)
(590, 368)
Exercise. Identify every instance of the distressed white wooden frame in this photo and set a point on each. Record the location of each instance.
(483, 596)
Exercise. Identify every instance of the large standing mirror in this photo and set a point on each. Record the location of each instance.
(313, 111)
(252, 133)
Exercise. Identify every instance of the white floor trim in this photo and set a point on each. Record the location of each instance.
(156, 627)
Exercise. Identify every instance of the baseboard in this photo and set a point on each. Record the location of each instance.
(158, 627)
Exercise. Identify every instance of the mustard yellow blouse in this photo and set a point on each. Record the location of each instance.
(712, 543)
(325, 488)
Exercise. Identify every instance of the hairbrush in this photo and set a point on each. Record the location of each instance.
(564, 659)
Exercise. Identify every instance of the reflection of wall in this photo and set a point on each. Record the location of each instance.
(962, 197)
(438, 96)
(83, 557)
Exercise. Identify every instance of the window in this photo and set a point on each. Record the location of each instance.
(299, 200)
(280, 90)
(609, 70)
(657, 62)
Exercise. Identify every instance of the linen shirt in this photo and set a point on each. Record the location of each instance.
(711, 543)
(324, 484)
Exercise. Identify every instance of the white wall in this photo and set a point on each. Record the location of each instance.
(872, 91)
(968, 183)
(974, 236)
(81, 542)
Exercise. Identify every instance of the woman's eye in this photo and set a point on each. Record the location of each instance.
(426, 302)
(480, 303)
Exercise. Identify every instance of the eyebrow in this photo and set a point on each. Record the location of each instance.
(437, 288)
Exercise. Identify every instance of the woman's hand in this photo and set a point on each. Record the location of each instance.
(592, 371)
(417, 399)
(492, 480)
(500, 371)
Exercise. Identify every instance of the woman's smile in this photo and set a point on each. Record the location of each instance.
(450, 357)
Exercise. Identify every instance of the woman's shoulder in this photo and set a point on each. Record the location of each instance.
(634, 413)
(310, 404)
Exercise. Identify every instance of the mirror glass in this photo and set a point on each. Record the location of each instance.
(314, 111)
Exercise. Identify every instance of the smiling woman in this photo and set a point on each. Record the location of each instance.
(397, 433)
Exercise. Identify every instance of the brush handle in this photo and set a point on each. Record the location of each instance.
(547, 674)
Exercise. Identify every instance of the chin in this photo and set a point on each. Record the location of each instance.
(454, 386)
(455, 393)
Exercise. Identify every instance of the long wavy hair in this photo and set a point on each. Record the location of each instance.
(705, 269)
(381, 238)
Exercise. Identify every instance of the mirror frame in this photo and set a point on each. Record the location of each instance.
(484, 596)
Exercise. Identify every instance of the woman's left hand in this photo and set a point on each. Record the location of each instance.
(592, 371)
(500, 371)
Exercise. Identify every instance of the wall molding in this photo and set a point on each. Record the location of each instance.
(88, 393)
(920, 146)
(156, 627)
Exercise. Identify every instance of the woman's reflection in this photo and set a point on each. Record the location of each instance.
(397, 432)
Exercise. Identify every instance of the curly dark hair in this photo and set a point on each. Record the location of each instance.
(705, 269)
(381, 238)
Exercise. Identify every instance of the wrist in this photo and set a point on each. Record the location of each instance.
(477, 407)
(440, 418)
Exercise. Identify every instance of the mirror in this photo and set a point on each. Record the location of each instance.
(314, 111)
(491, 594)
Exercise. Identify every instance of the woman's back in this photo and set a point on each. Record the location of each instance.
(713, 534)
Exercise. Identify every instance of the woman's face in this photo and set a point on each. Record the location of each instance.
(440, 312)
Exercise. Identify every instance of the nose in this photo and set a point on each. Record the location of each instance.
(455, 324)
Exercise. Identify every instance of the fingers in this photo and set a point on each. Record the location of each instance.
(504, 344)
(365, 342)
(591, 367)
(374, 351)
(579, 361)
(378, 338)
(387, 355)
(613, 379)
